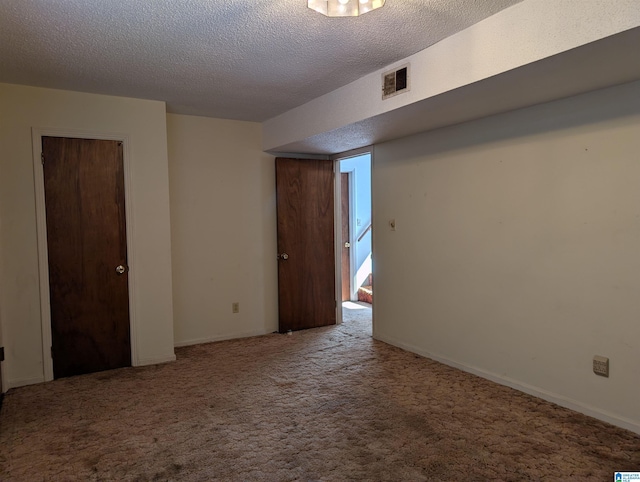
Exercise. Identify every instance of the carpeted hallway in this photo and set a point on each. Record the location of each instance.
(323, 404)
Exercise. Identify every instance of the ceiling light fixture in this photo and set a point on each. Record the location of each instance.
(344, 8)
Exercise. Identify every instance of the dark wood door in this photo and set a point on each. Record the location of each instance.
(306, 265)
(346, 246)
(86, 243)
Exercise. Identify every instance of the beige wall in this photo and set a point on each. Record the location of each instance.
(144, 122)
(517, 249)
(223, 229)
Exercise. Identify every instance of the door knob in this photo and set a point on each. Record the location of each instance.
(283, 256)
(347, 244)
(120, 269)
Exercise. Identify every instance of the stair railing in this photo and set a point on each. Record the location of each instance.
(364, 232)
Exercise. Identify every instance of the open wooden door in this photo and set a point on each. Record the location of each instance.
(346, 241)
(87, 251)
(306, 243)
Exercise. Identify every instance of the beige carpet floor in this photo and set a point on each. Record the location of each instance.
(323, 404)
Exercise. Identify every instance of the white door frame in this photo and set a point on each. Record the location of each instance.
(337, 226)
(41, 219)
(337, 241)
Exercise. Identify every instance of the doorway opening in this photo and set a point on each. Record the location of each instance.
(356, 266)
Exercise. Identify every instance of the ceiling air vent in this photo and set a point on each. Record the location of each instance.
(395, 82)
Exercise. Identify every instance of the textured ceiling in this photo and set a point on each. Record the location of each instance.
(234, 59)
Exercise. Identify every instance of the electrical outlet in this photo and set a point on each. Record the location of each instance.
(601, 366)
(235, 307)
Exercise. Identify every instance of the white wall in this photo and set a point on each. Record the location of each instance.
(21, 109)
(2, 364)
(223, 212)
(517, 250)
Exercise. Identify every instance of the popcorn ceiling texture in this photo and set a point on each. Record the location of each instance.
(323, 404)
(234, 59)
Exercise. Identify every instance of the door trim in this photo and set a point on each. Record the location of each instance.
(41, 223)
(337, 241)
(343, 156)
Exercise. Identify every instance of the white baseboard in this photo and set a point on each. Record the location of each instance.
(155, 361)
(211, 339)
(22, 382)
(575, 405)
